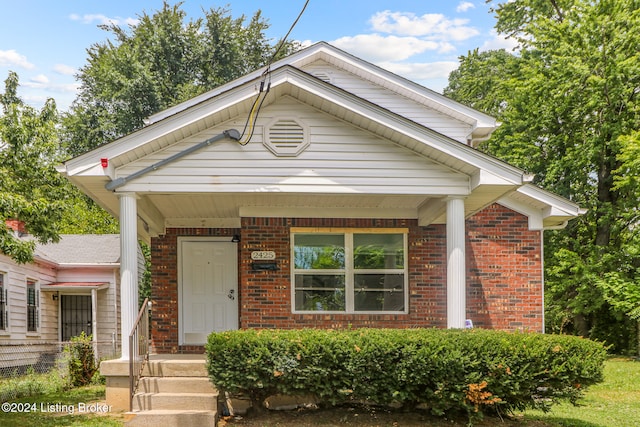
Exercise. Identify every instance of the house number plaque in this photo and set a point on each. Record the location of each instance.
(263, 255)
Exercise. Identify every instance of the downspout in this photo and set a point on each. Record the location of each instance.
(117, 183)
(94, 323)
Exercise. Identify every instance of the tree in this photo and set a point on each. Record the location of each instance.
(568, 107)
(161, 61)
(31, 190)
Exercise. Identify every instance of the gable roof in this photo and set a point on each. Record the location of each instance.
(483, 124)
(81, 249)
(376, 107)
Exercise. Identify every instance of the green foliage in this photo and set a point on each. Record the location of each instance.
(161, 61)
(30, 188)
(32, 384)
(473, 372)
(568, 103)
(81, 360)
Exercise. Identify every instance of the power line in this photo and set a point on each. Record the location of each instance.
(263, 92)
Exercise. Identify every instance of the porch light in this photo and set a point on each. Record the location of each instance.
(235, 238)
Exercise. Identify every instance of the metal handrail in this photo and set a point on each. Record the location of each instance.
(138, 349)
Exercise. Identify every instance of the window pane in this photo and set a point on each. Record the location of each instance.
(378, 251)
(318, 251)
(316, 292)
(379, 292)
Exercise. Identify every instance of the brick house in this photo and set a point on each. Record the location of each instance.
(339, 195)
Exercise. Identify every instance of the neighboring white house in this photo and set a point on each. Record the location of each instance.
(71, 287)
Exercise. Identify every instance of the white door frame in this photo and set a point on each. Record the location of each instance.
(182, 239)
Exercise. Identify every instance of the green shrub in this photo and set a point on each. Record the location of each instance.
(473, 371)
(81, 360)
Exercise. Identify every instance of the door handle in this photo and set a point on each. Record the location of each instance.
(231, 295)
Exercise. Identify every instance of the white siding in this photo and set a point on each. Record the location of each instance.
(390, 100)
(340, 159)
(16, 276)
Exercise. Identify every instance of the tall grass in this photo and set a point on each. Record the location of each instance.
(33, 384)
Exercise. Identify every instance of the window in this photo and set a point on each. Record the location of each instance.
(4, 304)
(352, 272)
(33, 303)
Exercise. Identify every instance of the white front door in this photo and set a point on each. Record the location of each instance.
(208, 289)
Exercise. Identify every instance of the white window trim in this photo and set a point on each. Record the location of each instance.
(349, 271)
(37, 295)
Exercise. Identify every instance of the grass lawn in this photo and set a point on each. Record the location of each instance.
(55, 410)
(615, 402)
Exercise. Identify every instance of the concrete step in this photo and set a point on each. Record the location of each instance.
(171, 418)
(176, 385)
(182, 401)
(175, 368)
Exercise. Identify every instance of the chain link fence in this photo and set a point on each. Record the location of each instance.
(41, 357)
(38, 365)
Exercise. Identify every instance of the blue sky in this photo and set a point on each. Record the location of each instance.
(45, 41)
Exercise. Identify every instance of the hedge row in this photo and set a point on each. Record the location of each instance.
(472, 371)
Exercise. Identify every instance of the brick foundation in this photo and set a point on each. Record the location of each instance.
(504, 276)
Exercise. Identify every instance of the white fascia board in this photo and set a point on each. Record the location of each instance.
(552, 212)
(298, 56)
(558, 203)
(446, 105)
(405, 126)
(89, 163)
(483, 124)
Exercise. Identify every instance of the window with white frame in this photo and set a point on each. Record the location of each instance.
(4, 304)
(33, 306)
(351, 271)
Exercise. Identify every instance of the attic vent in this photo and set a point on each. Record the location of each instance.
(286, 137)
(322, 75)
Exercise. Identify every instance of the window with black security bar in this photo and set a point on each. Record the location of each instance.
(75, 315)
(33, 304)
(4, 302)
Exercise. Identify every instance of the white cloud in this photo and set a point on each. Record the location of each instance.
(63, 69)
(11, 58)
(499, 42)
(39, 80)
(374, 47)
(102, 19)
(42, 83)
(433, 25)
(421, 71)
(465, 6)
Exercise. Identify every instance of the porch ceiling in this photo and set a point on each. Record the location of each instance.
(190, 210)
(225, 210)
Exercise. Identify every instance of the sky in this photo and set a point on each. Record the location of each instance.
(46, 41)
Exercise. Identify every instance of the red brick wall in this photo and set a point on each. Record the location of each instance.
(504, 276)
(266, 295)
(504, 271)
(164, 289)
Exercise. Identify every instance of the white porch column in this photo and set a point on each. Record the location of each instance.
(128, 268)
(456, 268)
